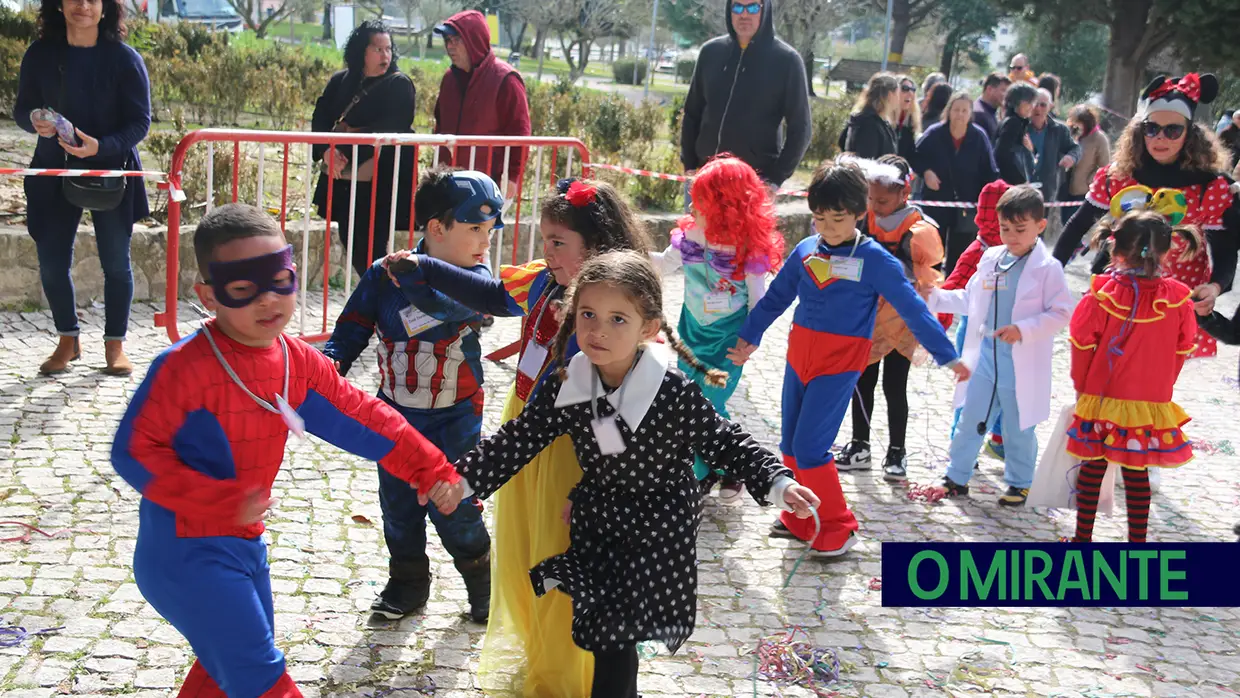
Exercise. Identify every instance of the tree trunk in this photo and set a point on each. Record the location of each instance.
(583, 53)
(327, 21)
(808, 59)
(1127, 56)
(948, 57)
(520, 38)
(540, 38)
(901, 16)
(624, 48)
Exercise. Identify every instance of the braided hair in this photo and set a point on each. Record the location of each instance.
(1140, 239)
(633, 274)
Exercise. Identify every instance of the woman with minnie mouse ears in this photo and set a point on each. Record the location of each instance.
(1162, 148)
(582, 219)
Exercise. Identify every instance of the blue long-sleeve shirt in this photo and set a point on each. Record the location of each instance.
(841, 306)
(430, 356)
(106, 94)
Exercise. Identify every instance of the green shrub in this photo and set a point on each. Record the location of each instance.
(656, 194)
(675, 117)
(607, 131)
(828, 116)
(11, 52)
(684, 69)
(644, 123)
(22, 26)
(629, 71)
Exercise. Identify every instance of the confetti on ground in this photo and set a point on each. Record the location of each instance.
(358, 518)
(25, 536)
(785, 659)
(14, 636)
(925, 493)
(1212, 448)
(876, 584)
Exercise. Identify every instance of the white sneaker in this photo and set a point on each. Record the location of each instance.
(853, 540)
(854, 456)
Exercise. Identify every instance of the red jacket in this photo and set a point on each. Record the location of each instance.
(489, 100)
(987, 221)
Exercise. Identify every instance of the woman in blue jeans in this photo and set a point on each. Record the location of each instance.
(81, 68)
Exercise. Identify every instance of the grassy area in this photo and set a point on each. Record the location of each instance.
(414, 48)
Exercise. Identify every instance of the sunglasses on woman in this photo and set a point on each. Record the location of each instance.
(1173, 132)
(752, 8)
(908, 88)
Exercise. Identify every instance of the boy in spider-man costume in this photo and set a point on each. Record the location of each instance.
(838, 275)
(204, 437)
(430, 370)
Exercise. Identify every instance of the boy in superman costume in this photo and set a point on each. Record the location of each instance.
(838, 275)
(430, 370)
(203, 439)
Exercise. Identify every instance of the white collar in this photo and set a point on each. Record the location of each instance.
(1038, 256)
(642, 383)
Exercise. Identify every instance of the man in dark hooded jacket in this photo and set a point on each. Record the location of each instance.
(480, 96)
(748, 97)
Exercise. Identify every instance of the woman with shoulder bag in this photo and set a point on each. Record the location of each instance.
(370, 95)
(87, 95)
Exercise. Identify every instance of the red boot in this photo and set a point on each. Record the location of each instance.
(199, 684)
(284, 688)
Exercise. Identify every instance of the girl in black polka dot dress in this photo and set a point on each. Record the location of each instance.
(636, 423)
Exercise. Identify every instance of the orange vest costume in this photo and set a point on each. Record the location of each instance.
(917, 244)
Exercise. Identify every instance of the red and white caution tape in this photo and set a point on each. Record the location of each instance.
(797, 193)
(48, 172)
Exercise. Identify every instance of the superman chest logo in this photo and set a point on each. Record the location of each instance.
(819, 268)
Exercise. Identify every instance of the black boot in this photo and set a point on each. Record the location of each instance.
(477, 576)
(408, 588)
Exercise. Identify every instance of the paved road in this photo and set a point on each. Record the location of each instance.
(55, 474)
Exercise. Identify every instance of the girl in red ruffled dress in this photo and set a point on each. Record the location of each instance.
(1130, 336)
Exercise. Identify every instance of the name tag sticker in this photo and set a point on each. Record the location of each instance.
(718, 302)
(607, 435)
(848, 268)
(532, 359)
(416, 322)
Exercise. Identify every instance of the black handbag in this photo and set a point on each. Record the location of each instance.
(90, 193)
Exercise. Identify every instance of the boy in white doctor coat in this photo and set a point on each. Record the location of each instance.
(1016, 303)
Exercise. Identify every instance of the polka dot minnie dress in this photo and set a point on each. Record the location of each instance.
(631, 565)
(1207, 204)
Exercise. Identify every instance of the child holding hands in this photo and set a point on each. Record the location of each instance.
(203, 439)
(1015, 304)
(636, 423)
(838, 275)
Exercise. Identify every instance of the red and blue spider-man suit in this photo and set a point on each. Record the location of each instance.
(828, 348)
(198, 448)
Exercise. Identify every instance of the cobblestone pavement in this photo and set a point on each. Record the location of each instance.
(326, 560)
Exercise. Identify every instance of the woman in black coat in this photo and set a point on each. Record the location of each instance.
(870, 133)
(954, 160)
(1013, 149)
(81, 68)
(370, 95)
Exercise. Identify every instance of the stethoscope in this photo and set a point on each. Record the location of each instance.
(1000, 271)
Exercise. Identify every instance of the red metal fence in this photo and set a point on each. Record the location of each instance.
(483, 153)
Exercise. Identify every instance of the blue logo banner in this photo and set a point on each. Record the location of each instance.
(1061, 574)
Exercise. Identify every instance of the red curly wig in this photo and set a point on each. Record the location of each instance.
(734, 203)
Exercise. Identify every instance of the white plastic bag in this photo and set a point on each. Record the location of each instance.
(1054, 481)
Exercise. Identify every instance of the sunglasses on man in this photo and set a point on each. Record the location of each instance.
(1016, 67)
(752, 8)
(1173, 132)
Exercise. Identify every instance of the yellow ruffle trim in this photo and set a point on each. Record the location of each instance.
(1131, 414)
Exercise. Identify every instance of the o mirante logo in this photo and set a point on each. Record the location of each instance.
(1059, 574)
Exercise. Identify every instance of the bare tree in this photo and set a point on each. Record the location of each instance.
(583, 22)
(543, 15)
(801, 23)
(251, 13)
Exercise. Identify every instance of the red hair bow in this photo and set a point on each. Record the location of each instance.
(1190, 85)
(580, 194)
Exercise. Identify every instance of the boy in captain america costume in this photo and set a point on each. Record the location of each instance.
(430, 370)
(203, 439)
(838, 275)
